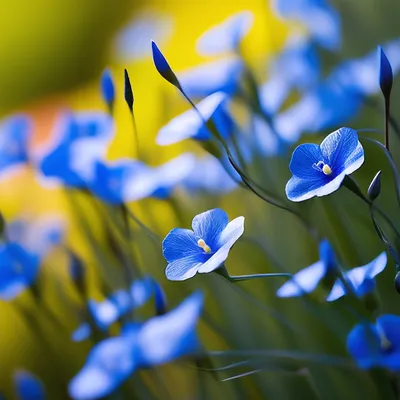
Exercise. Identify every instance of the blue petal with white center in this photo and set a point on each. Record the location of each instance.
(361, 279)
(215, 76)
(157, 341)
(205, 248)
(226, 36)
(28, 386)
(376, 345)
(320, 170)
(191, 125)
(14, 136)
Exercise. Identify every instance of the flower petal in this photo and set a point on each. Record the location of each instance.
(209, 226)
(390, 325)
(299, 189)
(167, 337)
(363, 345)
(28, 387)
(180, 243)
(215, 261)
(305, 281)
(184, 268)
(303, 158)
(232, 232)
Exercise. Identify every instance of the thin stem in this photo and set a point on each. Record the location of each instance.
(142, 225)
(135, 134)
(387, 118)
(240, 278)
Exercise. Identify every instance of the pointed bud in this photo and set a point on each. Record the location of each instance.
(107, 88)
(397, 282)
(128, 91)
(77, 271)
(385, 73)
(375, 187)
(2, 225)
(163, 67)
(160, 300)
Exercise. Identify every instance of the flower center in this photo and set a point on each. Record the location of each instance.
(322, 167)
(201, 243)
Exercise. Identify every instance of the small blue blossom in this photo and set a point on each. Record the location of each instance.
(361, 279)
(132, 42)
(107, 88)
(320, 18)
(209, 176)
(320, 170)
(128, 180)
(222, 75)
(79, 140)
(203, 249)
(21, 255)
(121, 302)
(190, 125)
(307, 279)
(14, 136)
(376, 345)
(226, 36)
(159, 340)
(28, 387)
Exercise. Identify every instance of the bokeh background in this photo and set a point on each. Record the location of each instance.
(52, 56)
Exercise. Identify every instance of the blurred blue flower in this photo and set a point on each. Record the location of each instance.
(14, 136)
(159, 340)
(28, 387)
(226, 36)
(132, 42)
(376, 345)
(320, 170)
(21, 255)
(107, 87)
(208, 175)
(190, 125)
(307, 279)
(205, 248)
(321, 19)
(79, 140)
(128, 180)
(361, 279)
(121, 302)
(222, 75)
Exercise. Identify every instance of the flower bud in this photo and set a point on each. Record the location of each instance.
(160, 300)
(163, 67)
(107, 88)
(374, 188)
(385, 73)
(397, 282)
(128, 91)
(77, 272)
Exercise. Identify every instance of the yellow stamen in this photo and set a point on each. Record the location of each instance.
(201, 243)
(326, 169)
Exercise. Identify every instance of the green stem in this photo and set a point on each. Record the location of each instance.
(241, 278)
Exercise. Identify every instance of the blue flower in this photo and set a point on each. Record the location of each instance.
(208, 175)
(157, 341)
(190, 125)
(226, 36)
(376, 345)
(205, 248)
(321, 20)
(307, 279)
(14, 135)
(121, 302)
(107, 87)
(79, 140)
(127, 180)
(361, 279)
(28, 387)
(215, 76)
(320, 170)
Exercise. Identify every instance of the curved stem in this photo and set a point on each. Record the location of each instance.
(240, 278)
